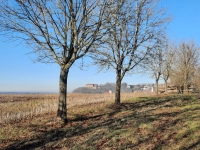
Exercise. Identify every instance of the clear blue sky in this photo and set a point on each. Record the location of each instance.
(19, 74)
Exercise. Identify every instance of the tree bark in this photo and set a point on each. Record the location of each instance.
(156, 86)
(185, 81)
(118, 88)
(165, 86)
(62, 104)
(185, 87)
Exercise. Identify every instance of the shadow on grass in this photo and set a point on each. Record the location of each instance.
(103, 128)
(194, 145)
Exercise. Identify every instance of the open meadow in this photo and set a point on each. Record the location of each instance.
(140, 122)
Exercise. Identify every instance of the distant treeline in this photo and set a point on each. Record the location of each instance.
(102, 88)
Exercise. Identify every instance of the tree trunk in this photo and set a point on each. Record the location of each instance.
(165, 86)
(156, 86)
(186, 90)
(185, 87)
(185, 83)
(118, 88)
(62, 104)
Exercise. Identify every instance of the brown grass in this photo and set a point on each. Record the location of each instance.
(165, 122)
(15, 108)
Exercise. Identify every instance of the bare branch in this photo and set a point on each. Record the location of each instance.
(134, 27)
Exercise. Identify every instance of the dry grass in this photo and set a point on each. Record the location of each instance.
(19, 107)
(166, 122)
(15, 108)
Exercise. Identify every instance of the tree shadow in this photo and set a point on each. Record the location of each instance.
(111, 123)
(194, 145)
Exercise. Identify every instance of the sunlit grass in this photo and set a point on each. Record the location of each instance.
(164, 122)
(19, 107)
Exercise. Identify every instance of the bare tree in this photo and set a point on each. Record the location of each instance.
(196, 80)
(185, 62)
(155, 62)
(133, 27)
(59, 31)
(167, 63)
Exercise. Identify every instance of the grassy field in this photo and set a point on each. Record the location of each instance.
(148, 122)
(17, 107)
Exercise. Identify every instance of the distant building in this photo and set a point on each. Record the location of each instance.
(145, 87)
(149, 88)
(130, 86)
(92, 86)
(109, 92)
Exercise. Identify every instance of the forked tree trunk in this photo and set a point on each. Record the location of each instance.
(118, 88)
(62, 104)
